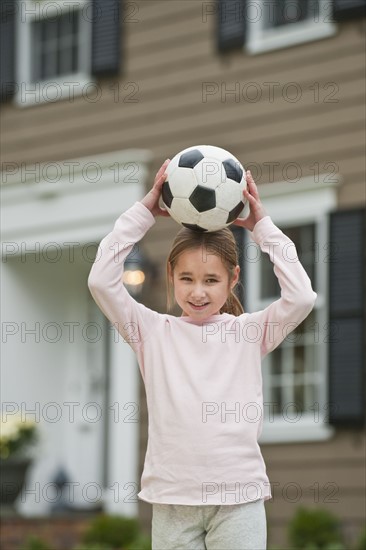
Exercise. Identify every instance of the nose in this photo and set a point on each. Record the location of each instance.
(198, 292)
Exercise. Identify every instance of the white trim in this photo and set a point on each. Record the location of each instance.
(69, 198)
(301, 431)
(43, 9)
(261, 40)
(68, 86)
(299, 203)
(73, 211)
(303, 201)
(120, 494)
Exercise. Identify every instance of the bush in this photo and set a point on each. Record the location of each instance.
(35, 543)
(361, 545)
(92, 546)
(315, 529)
(330, 546)
(142, 542)
(112, 531)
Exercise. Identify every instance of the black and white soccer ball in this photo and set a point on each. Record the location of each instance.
(204, 188)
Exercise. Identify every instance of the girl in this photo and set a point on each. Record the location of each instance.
(204, 472)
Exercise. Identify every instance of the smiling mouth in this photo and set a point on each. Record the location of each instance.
(199, 305)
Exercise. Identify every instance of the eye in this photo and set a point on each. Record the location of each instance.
(212, 280)
(185, 279)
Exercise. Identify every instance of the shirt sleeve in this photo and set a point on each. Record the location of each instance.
(297, 299)
(132, 320)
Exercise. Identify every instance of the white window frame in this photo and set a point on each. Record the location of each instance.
(259, 39)
(67, 86)
(304, 202)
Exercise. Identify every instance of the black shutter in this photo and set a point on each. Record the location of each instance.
(231, 16)
(348, 9)
(106, 45)
(7, 49)
(347, 335)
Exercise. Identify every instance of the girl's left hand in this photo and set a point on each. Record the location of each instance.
(257, 211)
(151, 199)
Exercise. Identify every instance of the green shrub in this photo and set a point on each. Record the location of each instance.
(111, 530)
(330, 546)
(92, 546)
(142, 542)
(315, 529)
(361, 544)
(35, 543)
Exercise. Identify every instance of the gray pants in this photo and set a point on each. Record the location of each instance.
(209, 527)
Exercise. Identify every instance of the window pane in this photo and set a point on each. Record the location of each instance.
(307, 330)
(312, 398)
(304, 240)
(66, 25)
(276, 399)
(56, 45)
(290, 11)
(36, 49)
(310, 358)
(75, 43)
(68, 42)
(285, 12)
(65, 61)
(299, 391)
(299, 359)
(49, 64)
(276, 361)
(269, 283)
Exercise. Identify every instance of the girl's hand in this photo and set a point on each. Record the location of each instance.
(257, 211)
(151, 200)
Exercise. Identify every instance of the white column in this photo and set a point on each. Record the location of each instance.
(124, 426)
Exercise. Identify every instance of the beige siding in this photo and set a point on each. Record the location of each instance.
(169, 57)
(329, 474)
(158, 104)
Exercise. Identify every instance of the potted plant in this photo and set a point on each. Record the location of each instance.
(17, 435)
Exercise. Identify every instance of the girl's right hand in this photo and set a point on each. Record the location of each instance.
(151, 200)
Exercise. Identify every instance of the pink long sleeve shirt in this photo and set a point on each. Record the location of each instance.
(203, 379)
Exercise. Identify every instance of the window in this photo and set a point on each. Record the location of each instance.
(292, 367)
(56, 46)
(304, 239)
(54, 49)
(274, 24)
(287, 12)
(295, 373)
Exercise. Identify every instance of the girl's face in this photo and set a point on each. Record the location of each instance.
(201, 283)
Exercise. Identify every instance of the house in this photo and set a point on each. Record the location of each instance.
(95, 96)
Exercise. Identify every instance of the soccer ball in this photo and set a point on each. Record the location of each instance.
(204, 188)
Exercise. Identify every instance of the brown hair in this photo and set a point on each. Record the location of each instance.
(222, 243)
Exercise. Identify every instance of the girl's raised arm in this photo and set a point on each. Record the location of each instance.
(297, 299)
(133, 320)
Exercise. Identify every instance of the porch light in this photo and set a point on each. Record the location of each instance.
(136, 270)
